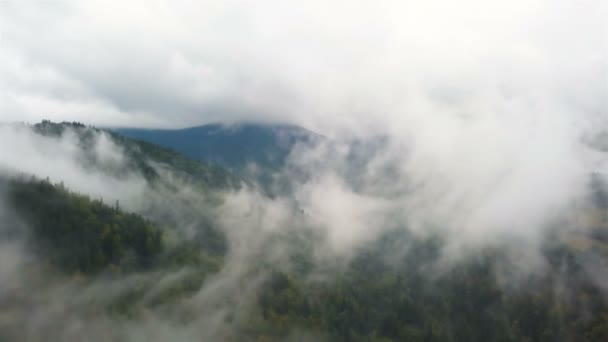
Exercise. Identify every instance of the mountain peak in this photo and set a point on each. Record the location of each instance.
(233, 145)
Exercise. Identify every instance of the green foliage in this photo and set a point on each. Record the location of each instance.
(411, 299)
(75, 233)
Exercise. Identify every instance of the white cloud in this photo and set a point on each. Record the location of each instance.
(336, 67)
(23, 151)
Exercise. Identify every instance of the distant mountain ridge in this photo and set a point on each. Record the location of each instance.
(231, 146)
(142, 153)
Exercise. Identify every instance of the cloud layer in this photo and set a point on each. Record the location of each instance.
(340, 67)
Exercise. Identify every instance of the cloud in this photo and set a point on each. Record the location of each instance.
(337, 67)
(62, 159)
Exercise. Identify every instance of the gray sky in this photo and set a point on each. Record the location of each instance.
(338, 66)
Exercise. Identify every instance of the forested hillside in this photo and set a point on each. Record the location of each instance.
(77, 234)
(377, 297)
(73, 240)
(409, 299)
(142, 156)
(218, 265)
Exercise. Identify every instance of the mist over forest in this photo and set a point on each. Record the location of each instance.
(311, 171)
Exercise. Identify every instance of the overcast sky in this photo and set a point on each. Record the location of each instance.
(333, 66)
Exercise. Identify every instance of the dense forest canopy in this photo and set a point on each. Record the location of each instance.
(207, 261)
(77, 234)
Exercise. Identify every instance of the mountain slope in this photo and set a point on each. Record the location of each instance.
(75, 233)
(146, 158)
(234, 147)
(179, 191)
